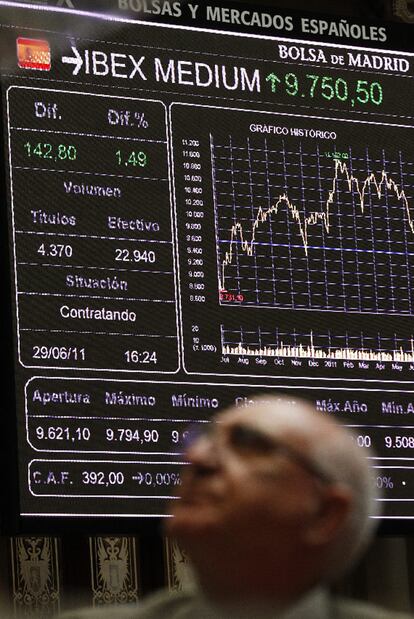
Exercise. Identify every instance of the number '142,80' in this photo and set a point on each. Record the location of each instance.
(49, 151)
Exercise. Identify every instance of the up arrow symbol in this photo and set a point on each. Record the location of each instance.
(76, 59)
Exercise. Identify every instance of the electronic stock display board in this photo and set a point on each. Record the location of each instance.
(204, 202)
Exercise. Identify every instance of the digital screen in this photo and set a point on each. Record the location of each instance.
(201, 209)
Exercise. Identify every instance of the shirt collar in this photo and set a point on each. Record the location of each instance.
(314, 605)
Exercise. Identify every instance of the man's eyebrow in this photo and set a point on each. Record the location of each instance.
(245, 434)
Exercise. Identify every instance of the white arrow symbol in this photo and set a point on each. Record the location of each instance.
(76, 60)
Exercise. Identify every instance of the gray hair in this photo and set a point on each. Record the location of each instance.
(342, 461)
(333, 450)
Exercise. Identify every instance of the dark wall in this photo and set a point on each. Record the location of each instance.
(72, 573)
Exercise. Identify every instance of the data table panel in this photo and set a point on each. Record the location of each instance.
(94, 257)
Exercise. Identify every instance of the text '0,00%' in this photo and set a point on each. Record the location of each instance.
(117, 478)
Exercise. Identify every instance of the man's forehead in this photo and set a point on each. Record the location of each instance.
(278, 418)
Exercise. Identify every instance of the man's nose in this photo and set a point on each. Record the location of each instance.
(203, 453)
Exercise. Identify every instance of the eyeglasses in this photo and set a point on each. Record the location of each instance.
(244, 438)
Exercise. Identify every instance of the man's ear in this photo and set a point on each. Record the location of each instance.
(335, 505)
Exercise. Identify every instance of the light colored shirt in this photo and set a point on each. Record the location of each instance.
(318, 604)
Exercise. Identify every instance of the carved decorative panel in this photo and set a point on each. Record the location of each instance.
(404, 9)
(114, 570)
(35, 566)
(177, 566)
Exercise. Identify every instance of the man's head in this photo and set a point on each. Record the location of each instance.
(280, 492)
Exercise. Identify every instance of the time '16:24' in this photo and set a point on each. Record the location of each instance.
(141, 356)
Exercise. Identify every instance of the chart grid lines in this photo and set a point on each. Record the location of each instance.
(269, 205)
(251, 197)
(401, 166)
(319, 231)
(356, 239)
